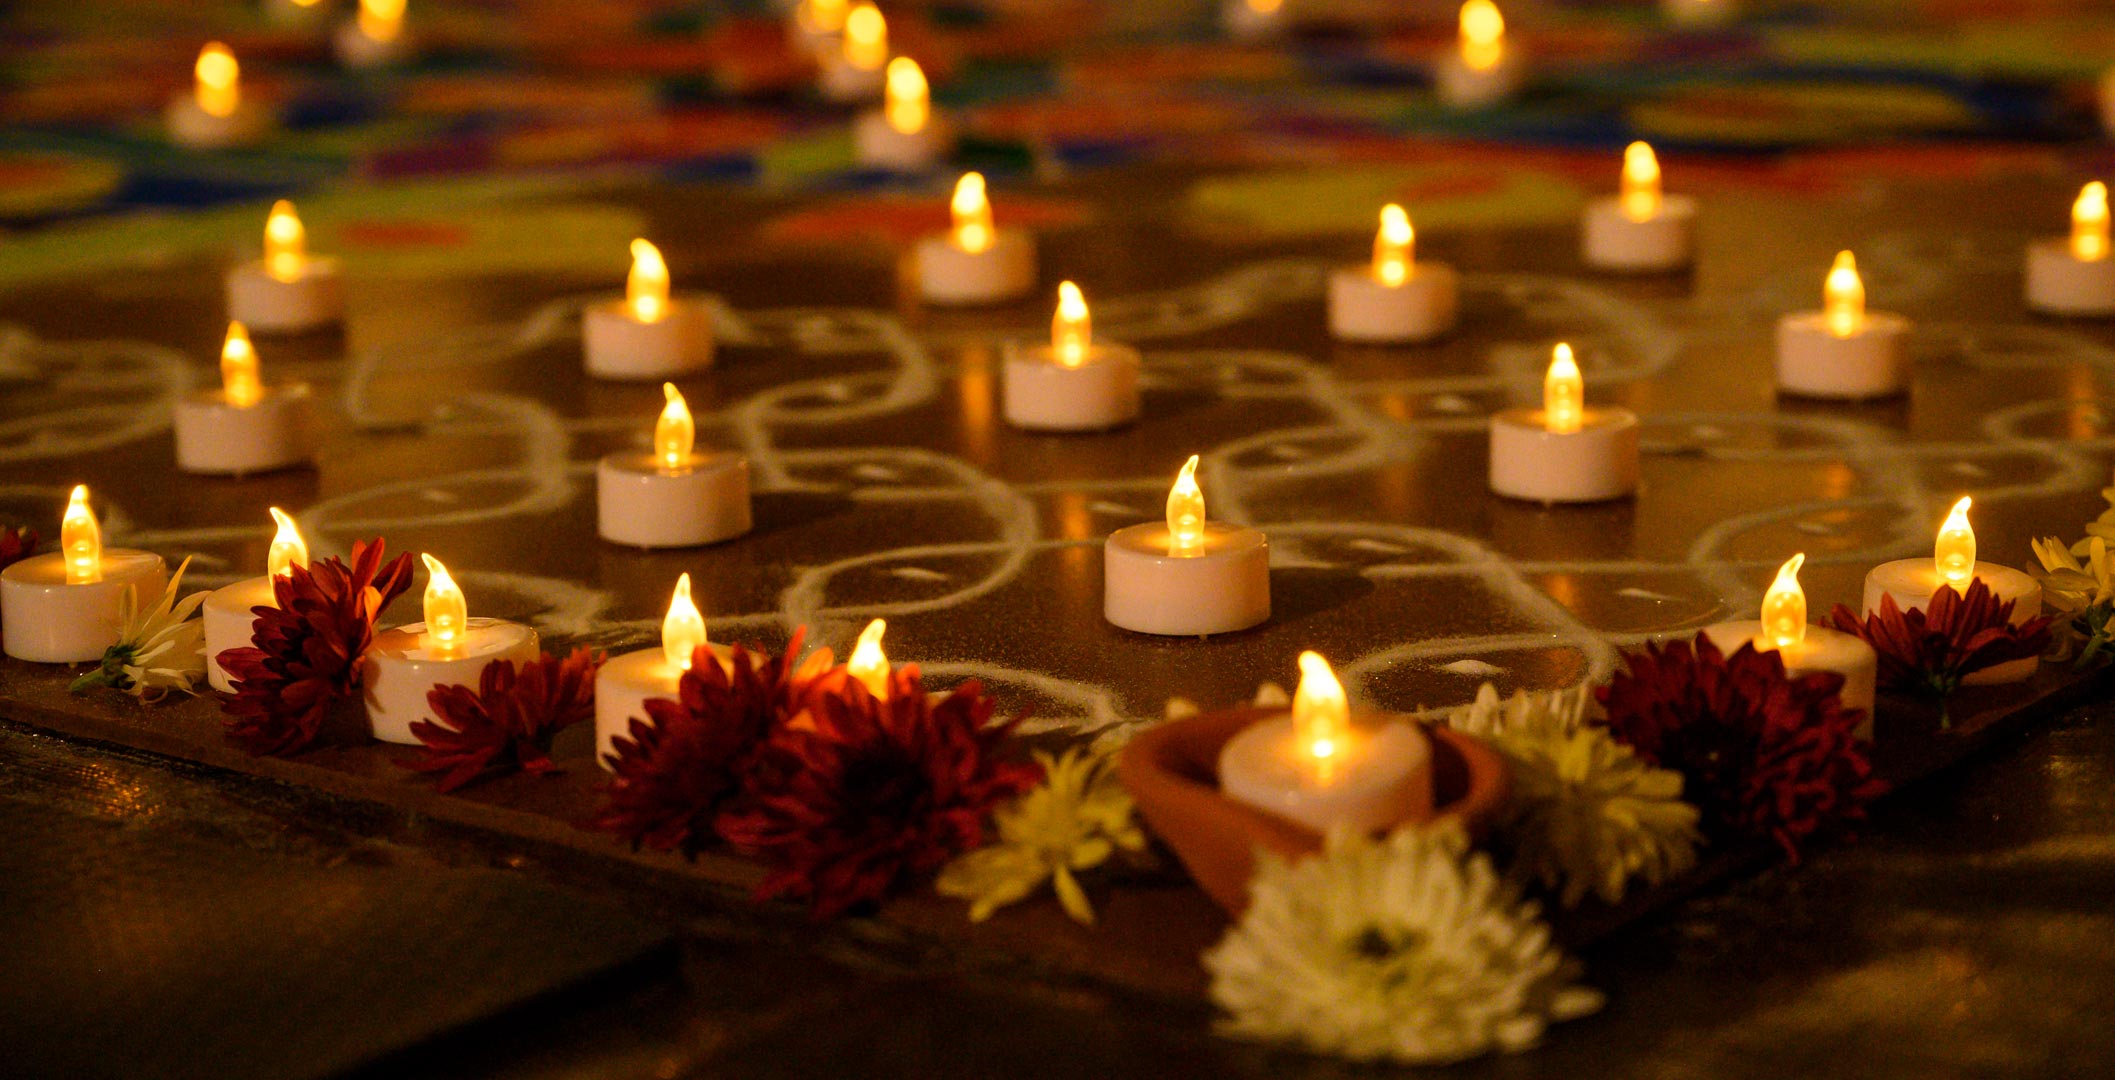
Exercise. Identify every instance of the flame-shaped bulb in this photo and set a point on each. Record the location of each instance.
(1954, 553)
(971, 210)
(1394, 247)
(1843, 297)
(447, 612)
(285, 243)
(1186, 512)
(1784, 606)
(1071, 329)
(2089, 223)
(907, 101)
(1321, 714)
(381, 20)
(646, 287)
(81, 539)
(1640, 195)
(675, 432)
(683, 628)
(869, 666)
(866, 45)
(288, 550)
(1563, 393)
(217, 80)
(240, 382)
(1482, 35)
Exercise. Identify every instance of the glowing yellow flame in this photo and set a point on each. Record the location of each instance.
(1482, 35)
(1563, 393)
(972, 213)
(868, 665)
(288, 550)
(1641, 183)
(866, 38)
(683, 628)
(81, 540)
(447, 613)
(675, 433)
(1071, 330)
(2089, 223)
(1321, 714)
(1955, 551)
(909, 101)
(1186, 512)
(239, 381)
(1265, 7)
(646, 287)
(285, 243)
(1784, 606)
(1394, 247)
(1843, 297)
(822, 16)
(381, 20)
(219, 80)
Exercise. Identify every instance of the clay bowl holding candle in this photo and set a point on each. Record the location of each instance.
(1172, 772)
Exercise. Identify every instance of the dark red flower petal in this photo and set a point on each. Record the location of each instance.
(1928, 651)
(507, 723)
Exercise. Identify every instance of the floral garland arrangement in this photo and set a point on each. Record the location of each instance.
(507, 724)
(1926, 652)
(2078, 583)
(160, 650)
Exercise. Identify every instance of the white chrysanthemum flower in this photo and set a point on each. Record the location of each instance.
(159, 649)
(1408, 949)
(1588, 814)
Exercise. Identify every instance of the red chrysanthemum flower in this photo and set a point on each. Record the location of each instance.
(1928, 651)
(1761, 755)
(16, 545)
(507, 723)
(305, 653)
(691, 753)
(875, 796)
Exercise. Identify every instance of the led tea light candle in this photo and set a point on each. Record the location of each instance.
(375, 37)
(245, 426)
(817, 27)
(1320, 768)
(215, 115)
(62, 607)
(1804, 648)
(673, 496)
(2073, 275)
(1640, 229)
(905, 134)
(1189, 576)
(974, 262)
(648, 334)
(1074, 383)
(855, 72)
(1253, 20)
(287, 291)
(448, 649)
(1700, 14)
(1564, 452)
(230, 613)
(868, 665)
(1953, 565)
(1396, 298)
(1843, 351)
(1482, 71)
(625, 683)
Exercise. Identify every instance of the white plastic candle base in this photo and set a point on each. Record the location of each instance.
(192, 127)
(950, 275)
(47, 621)
(1701, 14)
(218, 439)
(848, 85)
(1913, 581)
(876, 145)
(1823, 650)
(2060, 283)
(355, 50)
(1381, 779)
(639, 504)
(1364, 308)
(1813, 362)
(401, 669)
(1666, 241)
(622, 687)
(230, 623)
(1463, 87)
(1597, 463)
(1243, 22)
(1224, 589)
(616, 345)
(267, 305)
(1040, 394)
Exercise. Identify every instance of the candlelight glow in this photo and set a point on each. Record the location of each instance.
(822, 16)
(683, 628)
(219, 80)
(239, 380)
(1482, 35)
(869, 666)
(1641, 183)
(447, 612)
(972, 213)
(1563, 394)
(1186, 512)
(1265, 7)
(909, 101)
(1071, 330)
(2089, 223)
(288, 550)
(285, 243)
(866, 38)
(381, 20)
(646, 287)
(81, 540)
(675, 433)
(1394, 247)
(1955, 551)
(1321, 714)
(1784, 606)
(1843, 297)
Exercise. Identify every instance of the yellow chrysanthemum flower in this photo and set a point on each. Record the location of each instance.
(1073, 822)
